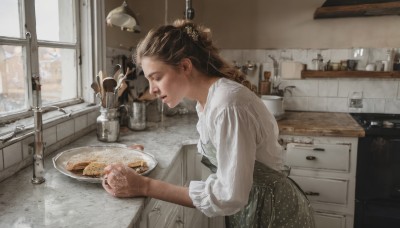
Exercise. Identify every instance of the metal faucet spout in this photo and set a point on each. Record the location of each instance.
(39, 145)
(58, 109)
(38, 161)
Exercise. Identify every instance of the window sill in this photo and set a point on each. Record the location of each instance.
(50, 118)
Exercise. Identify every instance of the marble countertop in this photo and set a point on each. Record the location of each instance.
(62, 201)
(65, 202)
(320, 124)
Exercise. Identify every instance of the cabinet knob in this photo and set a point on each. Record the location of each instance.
(311, 193)
(311, 158)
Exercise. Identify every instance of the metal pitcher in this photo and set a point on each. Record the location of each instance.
(137, 116)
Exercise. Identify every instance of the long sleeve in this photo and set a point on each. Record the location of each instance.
(233, 134)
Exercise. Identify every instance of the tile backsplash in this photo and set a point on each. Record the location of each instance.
(18, 155)
(379, 95)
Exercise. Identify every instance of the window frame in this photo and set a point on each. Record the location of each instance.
(89, 46)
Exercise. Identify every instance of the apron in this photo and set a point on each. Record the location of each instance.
(275, 200)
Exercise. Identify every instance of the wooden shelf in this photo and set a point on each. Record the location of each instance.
(358, 10)
(349, 74)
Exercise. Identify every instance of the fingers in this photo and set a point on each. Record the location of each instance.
(115, 180)
(136, 147)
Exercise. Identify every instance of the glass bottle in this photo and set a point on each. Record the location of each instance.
(108, 125)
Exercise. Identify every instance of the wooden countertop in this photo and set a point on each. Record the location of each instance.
(320, 124)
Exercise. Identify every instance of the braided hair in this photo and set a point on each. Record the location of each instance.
(184, 39)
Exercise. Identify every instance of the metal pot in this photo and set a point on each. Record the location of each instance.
(137, 116)
(274, 104)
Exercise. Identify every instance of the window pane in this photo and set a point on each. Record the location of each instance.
(58, 74)
(55, 20)
(9, 17)
(12, 79)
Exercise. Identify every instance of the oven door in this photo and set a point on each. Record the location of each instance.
(378, 168)
(378, 182)
(376, 214)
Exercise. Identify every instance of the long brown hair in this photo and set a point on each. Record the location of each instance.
(184, 39)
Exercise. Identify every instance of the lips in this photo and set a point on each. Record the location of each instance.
(162, 98)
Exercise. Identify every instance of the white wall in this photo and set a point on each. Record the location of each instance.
(331, 95)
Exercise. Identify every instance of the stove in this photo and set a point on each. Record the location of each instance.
(378, 171)
(379, 124)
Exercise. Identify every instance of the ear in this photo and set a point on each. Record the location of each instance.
(186, 65)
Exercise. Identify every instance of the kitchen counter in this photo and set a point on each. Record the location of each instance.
(62, 201)
(65, 202)
(320, 124)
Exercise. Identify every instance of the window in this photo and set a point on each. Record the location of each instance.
(38, 38)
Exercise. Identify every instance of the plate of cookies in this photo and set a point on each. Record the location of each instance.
(88, 163)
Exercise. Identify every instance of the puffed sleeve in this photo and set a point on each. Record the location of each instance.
(227, 191)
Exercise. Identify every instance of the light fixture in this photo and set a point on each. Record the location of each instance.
(123, 17)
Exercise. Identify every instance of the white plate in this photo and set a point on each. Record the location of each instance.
(61, 159)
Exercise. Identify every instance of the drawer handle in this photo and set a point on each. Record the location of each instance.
(312, 193)
(311, 158)
(318, 149)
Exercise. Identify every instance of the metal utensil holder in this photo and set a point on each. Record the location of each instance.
(108, 125)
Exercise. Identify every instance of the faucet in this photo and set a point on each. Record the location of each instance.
(282, 92)
(38, 155)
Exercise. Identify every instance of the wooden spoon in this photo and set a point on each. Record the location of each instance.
(95, 87)
(109, 84)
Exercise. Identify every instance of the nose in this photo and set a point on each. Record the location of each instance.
(153, 89)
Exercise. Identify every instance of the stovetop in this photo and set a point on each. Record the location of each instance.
(379, 124)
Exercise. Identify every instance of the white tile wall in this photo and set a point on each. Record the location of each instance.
(92, 117)
(50, 135)
(12, 154)
(332, 95)
(16, 154)
(81, 123)
(26, 153)
(65, 129)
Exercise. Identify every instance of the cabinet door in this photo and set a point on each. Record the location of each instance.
(323, 220)
(163, 214)
(175, 220)
(319, 156)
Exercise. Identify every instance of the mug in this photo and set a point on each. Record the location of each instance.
(370, 67)
(351, 64)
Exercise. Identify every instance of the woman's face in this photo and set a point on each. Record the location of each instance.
(166, 82)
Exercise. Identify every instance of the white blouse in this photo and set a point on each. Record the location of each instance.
(241, 129)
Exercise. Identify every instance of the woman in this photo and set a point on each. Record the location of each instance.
(238, 136)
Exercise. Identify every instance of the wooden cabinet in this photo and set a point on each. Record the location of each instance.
(158, 214)
(325, 168)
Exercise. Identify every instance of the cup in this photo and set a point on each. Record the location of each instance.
(335, 66)
(370, 67)
(351, 64)
(137, 116)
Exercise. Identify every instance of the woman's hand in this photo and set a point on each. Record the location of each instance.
(121, 181)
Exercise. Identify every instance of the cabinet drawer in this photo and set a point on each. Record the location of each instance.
(319, 156)
(323, 190)
(323, 220)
